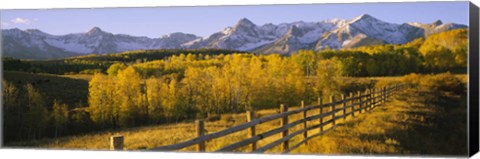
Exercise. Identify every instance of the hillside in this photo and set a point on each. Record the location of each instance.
(72, 90)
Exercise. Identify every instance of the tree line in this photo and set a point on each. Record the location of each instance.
(27, 116)
(93, 63)
(123, 98)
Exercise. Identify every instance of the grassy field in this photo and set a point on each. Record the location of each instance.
(148, 137)
(417, 122)
(152, 136)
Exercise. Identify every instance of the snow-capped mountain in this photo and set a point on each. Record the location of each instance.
(300, 35)
(36, 44)
(243, 36)
(29, 44)
(282, 38)
(367, 30)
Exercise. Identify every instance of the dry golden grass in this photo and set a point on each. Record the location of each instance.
(388, 129)
(365, 134)
(147, 137)
(144, 138)
(410, 124)
(78, 76)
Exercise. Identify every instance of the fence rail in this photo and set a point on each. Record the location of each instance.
(350, 105)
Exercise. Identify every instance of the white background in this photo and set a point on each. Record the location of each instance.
(51, 154)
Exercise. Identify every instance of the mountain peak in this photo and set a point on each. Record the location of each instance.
(363, 17)
(94, 30)
(437, 23)
(36, 32)
(245, 22)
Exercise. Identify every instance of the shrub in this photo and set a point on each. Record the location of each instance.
(413, 79)
(385, 83)
(445, 82)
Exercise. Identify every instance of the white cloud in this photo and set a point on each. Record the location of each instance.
(20, 21)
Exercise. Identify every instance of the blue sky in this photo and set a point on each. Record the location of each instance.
(203, 21)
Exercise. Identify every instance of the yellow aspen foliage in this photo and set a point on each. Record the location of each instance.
(446, 50)
(154, 97)
(101, 100)
(115, 68)
(328, 73)
(170, 98)
(128, 96)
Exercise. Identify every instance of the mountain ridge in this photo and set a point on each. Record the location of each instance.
(283, 38)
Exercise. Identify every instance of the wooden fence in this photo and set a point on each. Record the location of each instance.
(350, 105)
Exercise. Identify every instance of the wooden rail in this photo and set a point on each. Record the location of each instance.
(350, 105)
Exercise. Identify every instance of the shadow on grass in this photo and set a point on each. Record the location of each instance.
(436, 123)
(416, 122)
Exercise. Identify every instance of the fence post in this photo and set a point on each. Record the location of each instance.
(384, 95)
(352, 102)
(116, 142)
(250, 116)
(344, 107)
(284, 108)
(305, 134)
(332, 102)
(387, 92)
(200, 128)
(367, 100)
(380, 94)
(320, 102)
(372, 98)
(365, 106)
(360, 100)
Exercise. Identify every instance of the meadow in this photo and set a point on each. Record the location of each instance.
(403, 125)
(148, 137)
(426, 120)
(149, 96)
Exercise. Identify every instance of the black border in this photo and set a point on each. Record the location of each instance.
(473, 137)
